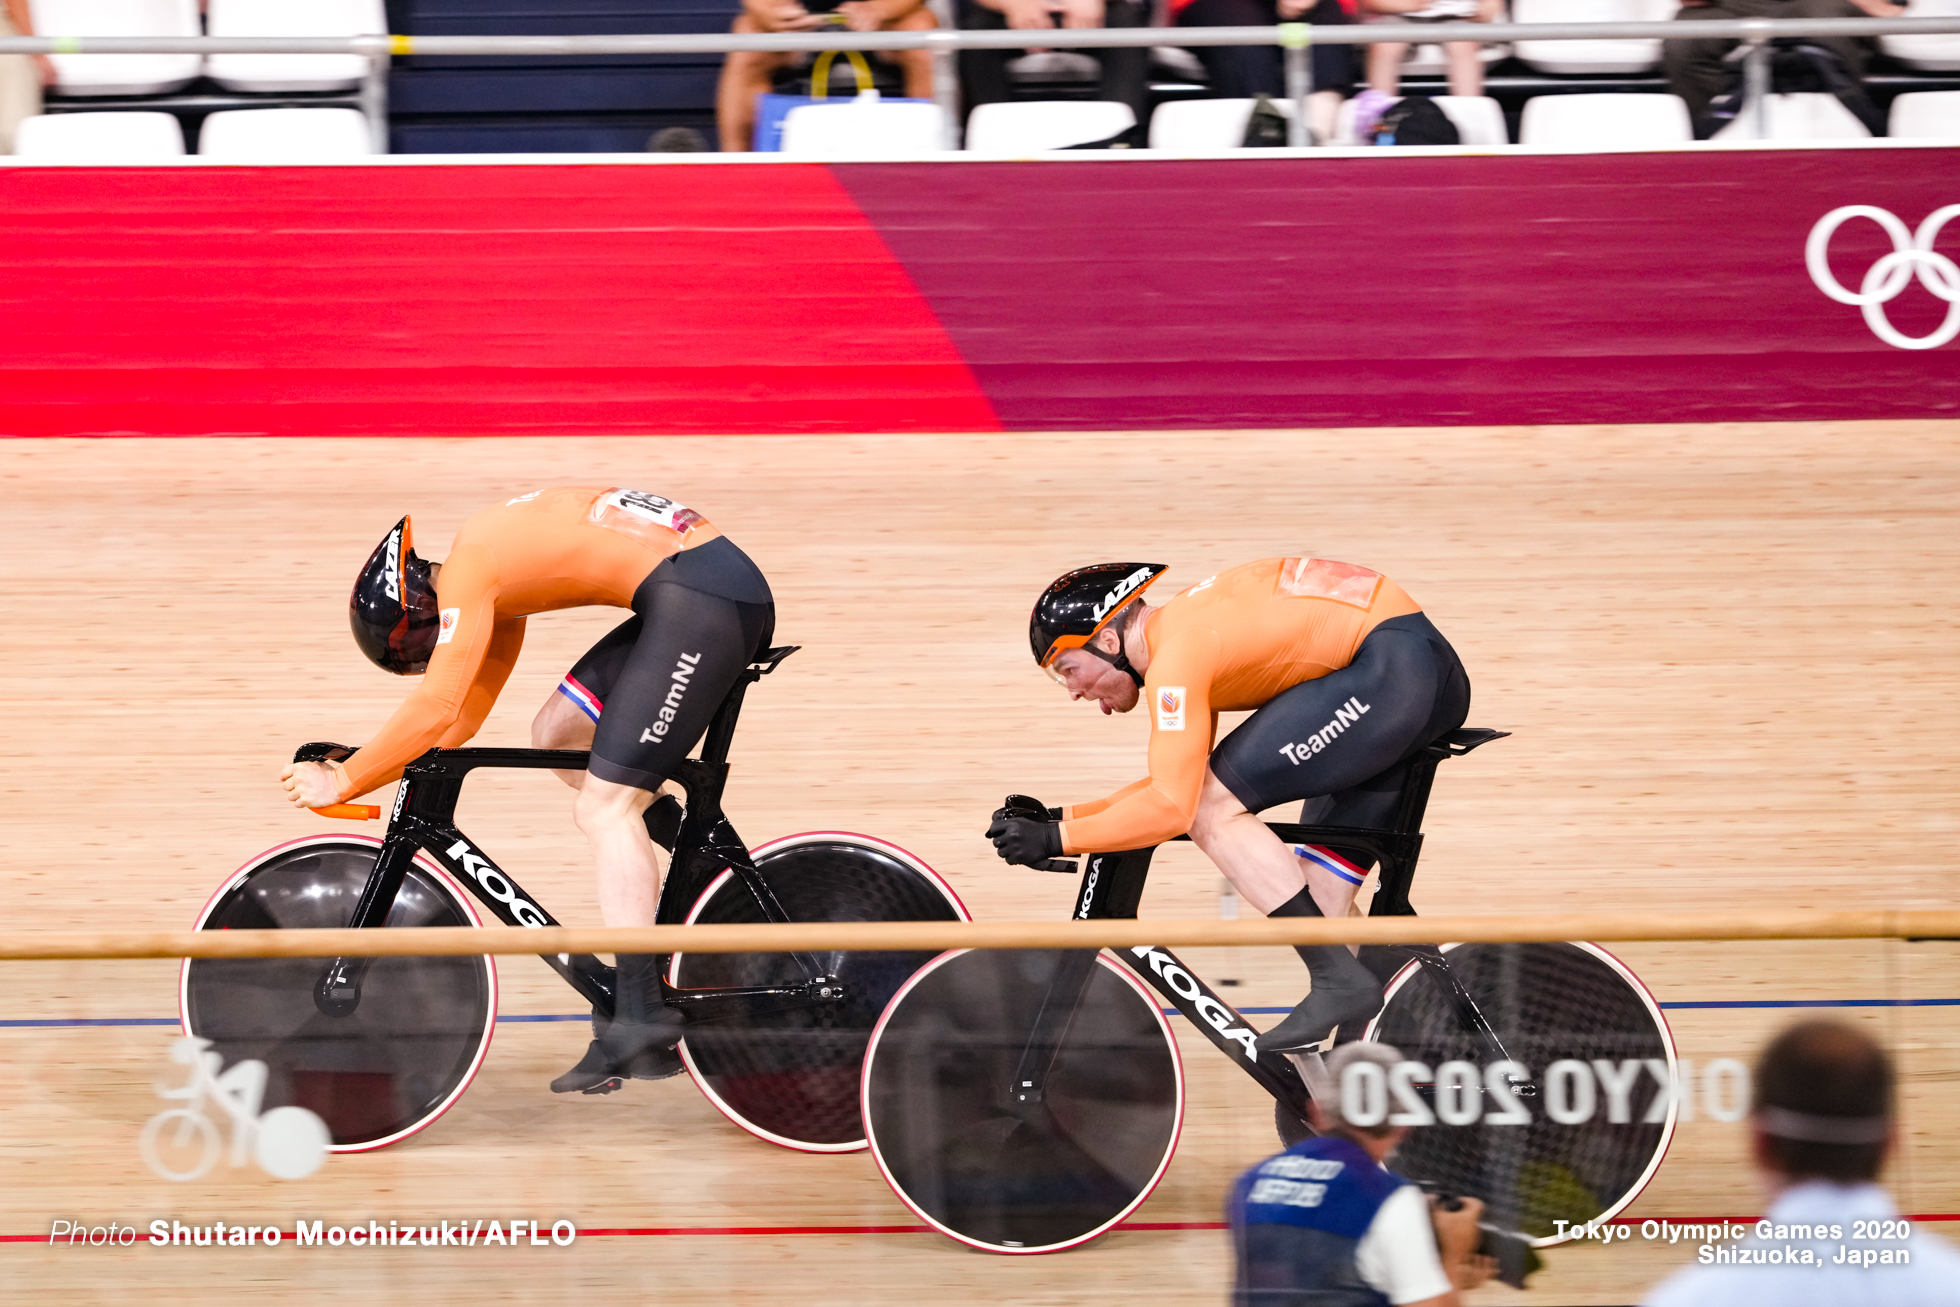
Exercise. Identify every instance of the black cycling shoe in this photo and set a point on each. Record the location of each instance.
(656, 1064)
(1343, 990)
(596, 1073)
(1329, 1006)
(627, 1050)
(602, 1070)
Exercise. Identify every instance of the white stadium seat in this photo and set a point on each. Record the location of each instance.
(284, 136)
(292, 72)
(1605, 121)
(123, 138)
(1479, 120)
(1028, 126)
(1578, 58)
(120, 74)
(1933, 114)
(1204, 126)
(1937, 52)
(1810, 116)
(864, 128)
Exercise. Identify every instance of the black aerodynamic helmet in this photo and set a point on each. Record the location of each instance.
(1076, 606)
(393, 608)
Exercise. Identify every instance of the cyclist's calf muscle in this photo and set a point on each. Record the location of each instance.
(612, 819)
(562, 725)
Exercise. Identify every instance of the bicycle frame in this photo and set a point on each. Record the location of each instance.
(1112, 886)
(424, 820)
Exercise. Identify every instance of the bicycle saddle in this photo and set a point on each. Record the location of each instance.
(1460, 742)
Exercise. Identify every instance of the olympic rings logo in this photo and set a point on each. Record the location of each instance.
(1912, 253)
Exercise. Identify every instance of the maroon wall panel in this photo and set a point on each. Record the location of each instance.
(961, 296)
(460, 300)
(1418, 291)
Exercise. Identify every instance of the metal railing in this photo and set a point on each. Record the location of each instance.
(1294, 40)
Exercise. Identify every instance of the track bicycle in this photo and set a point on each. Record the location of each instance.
(1027, 1101)
(380, 1047)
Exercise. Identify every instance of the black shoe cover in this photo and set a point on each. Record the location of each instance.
(1326, 1008)
(1343, 990)
(627, 1050)
(594, 1074)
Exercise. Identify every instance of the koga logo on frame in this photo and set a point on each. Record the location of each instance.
(1185, 986)
(495, 884)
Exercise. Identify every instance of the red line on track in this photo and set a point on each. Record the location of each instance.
(765, 1230)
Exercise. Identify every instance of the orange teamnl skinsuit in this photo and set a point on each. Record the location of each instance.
(564, 547)
(1231, 642)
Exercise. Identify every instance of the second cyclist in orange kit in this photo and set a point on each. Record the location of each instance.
(1350, 681)
(639, 698)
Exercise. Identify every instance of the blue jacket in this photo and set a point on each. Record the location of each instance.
(1297, 1220)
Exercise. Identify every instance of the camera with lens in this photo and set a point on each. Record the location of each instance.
(1514, 1254)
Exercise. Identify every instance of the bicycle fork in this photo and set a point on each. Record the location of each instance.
(1112, 886)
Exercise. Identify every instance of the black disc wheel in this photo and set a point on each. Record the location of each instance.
(1578, 1129)
(962, 1140)
(403, 1056)
(789, 1072)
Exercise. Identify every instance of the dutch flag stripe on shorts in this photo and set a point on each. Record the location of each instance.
(587, 701)
(1332, 861)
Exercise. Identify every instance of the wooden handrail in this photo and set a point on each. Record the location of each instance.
(936, 936)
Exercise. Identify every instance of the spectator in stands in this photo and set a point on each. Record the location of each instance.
(1241, 71)
(1465, 57)
(1325, 1222)
(21, 75)
(1823, 1124)
(745, 74)
(1125, 72)
(1694, 68)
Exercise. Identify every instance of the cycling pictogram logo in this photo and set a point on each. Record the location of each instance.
(1912, 254)
(182, 1143)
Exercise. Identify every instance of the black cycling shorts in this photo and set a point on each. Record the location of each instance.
(1343, 742)
(654, 681)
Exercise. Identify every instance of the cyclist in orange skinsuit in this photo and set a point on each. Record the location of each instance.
(1350, 681)
(640, 697)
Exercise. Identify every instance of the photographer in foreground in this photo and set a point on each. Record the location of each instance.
(1324, 1224)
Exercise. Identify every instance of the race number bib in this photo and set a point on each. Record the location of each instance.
(640, 514)
(1323, 578)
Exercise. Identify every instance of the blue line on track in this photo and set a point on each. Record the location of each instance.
(56, 1023)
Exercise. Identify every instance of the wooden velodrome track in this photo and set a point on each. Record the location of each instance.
(1726, 653)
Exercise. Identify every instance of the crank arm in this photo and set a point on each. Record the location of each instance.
(754, 1000)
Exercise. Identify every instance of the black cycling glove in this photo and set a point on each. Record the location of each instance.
(1024, 841)
(1020, 805)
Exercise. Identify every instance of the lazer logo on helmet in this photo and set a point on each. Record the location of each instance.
(1345, 716)
(391, 581)
(682, 673)
(495, 884)
(1123, 590)
(1181, 983)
